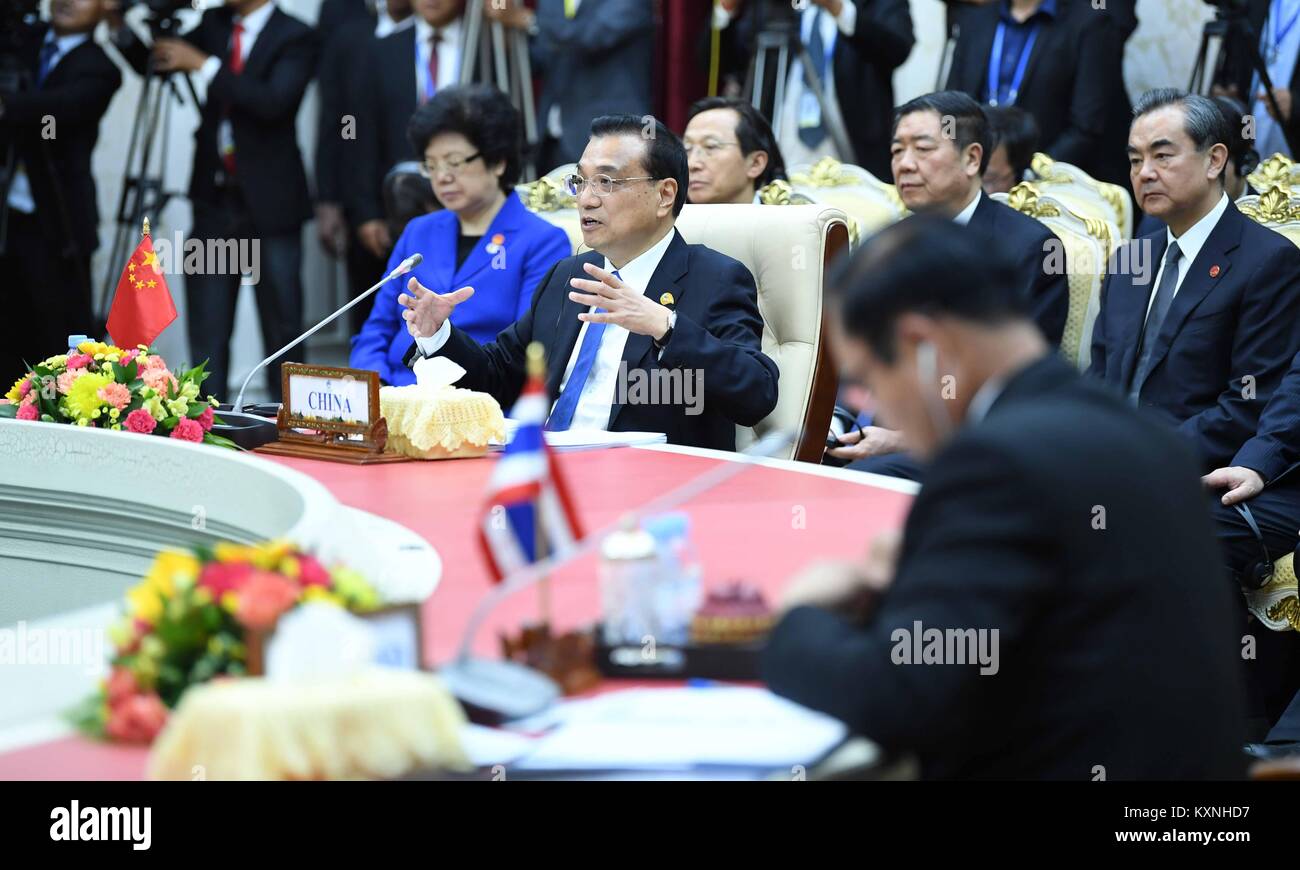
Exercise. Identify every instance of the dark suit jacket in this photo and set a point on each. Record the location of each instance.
(718, 334)
(386, 102)
(1220, 332)
(1275, 447)
(1032, 246)
(263, 103)
(600, 62)
(345, 30)
(1116, 647)
(1072, 72)
(76, 94)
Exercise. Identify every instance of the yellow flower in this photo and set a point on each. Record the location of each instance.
(172, 568)
(353, 589)
(190, 391)
(178, 407)
(226, 552)
(82, 400)
(154, 406)
(56, 361)
(322, 595)
(97, 348)
(14, 395)
(146, 604)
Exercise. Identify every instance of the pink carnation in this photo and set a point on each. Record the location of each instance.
(222, 577)
(140, 421)
(79, 360)
(25, 388)
(205, 419)
(136, 718)
(264, 597)
(159, 380)
(128, 356)
(154, 363)
(67, 379)
(28, 412)
(312, 573)
(115, 394)
(188, 430)
(29, 399)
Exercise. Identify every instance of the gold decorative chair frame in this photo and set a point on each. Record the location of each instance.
(1083, 194)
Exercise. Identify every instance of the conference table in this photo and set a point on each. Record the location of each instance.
(759, 525)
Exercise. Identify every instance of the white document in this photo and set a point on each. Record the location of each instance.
(679, 729)
(587, 439)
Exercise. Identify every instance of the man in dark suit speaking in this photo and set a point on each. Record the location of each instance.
(1198, 322)
(1060, 551)
(642, 306)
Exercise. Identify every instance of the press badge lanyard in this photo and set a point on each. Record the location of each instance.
(995, 64)
(1280, 33)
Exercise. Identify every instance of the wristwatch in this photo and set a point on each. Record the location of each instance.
(672, 321)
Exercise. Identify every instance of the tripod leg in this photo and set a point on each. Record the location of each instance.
(524, 71)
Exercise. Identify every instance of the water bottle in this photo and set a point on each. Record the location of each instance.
(629, 576)
(679, 588)
(74, 340)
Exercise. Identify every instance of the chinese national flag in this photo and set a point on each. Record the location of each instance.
(143, 306)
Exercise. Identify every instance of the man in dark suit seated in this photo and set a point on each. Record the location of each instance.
(248, 181)
(939, 154)
(1200, 323)
(49, 129)
(1055, 610)
(642, 307)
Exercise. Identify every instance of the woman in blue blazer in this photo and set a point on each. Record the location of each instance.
(484, 238)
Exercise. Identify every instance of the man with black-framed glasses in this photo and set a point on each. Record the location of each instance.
(642, 307)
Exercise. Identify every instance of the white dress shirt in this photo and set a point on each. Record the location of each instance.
(963, 217)
(792, 147)
(1190, 244)
(597, 397)
(20, 189)
(448, 56)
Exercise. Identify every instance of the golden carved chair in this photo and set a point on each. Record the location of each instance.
(1082, 194)
(547, 198)
(871, 204)
(1276, 208)
(1277, 171)
(1087, 243)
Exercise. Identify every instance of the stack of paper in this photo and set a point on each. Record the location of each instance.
(588, 439)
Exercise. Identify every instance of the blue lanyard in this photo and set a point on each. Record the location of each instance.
(995, 64)
(1286, 30)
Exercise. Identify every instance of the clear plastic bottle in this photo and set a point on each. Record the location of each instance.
(629, 579)
(679, 589)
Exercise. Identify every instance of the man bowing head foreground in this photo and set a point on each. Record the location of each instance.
(1055, 609)
(643, 333)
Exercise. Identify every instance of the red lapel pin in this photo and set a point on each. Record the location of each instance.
(1214, 271)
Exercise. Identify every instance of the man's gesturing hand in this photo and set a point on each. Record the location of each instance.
(426, 311)
(1240, 483)
(623, 305)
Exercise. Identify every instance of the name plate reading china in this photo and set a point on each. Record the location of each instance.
(331, 413)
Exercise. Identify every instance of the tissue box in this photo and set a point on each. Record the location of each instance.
(440, 422)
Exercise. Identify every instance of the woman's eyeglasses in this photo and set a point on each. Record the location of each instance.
(452, 166)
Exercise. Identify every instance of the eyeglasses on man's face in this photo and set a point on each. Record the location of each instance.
(708, 148)
(451, 165)
(601, 185)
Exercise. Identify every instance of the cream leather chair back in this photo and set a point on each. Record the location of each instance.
(871, 203)
(1276, 208)
(1087, 244)
(788, 250)
(547, 198)
(1082, 194)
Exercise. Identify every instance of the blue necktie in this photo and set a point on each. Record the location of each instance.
(562, 414)
(49, 51)
(813, 136)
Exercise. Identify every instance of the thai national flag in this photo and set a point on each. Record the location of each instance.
(526, 500)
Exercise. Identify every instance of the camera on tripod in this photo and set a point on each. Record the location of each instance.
(160, 14)
(15, 17)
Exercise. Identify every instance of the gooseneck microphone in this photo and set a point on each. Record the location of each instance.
(402, 268)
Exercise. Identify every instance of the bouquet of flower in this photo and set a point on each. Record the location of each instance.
(111, 388)
(188, 621)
